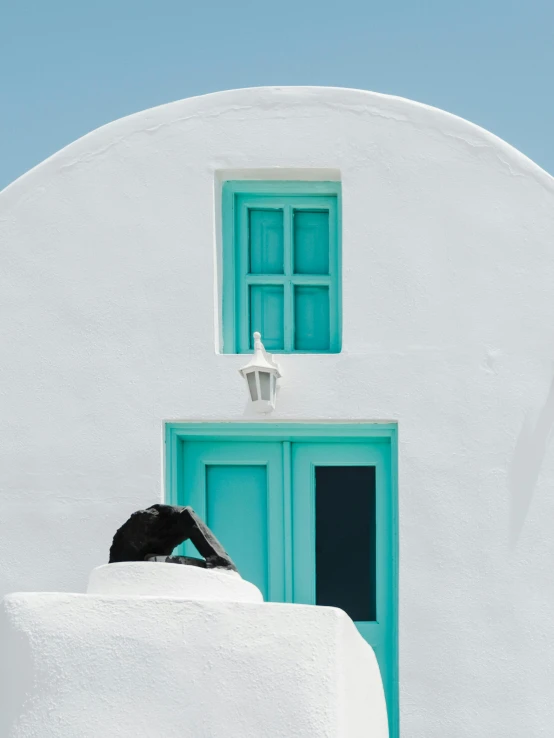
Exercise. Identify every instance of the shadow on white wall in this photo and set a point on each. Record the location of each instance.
(527, 462)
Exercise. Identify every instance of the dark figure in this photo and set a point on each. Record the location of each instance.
(153, 534)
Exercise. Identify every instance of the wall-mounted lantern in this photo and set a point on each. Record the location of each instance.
(261, 374)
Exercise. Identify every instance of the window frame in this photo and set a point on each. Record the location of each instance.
(237, 197)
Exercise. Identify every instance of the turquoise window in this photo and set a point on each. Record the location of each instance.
(281, 266)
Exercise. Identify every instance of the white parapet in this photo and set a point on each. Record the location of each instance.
(171, 580)
(184, 660)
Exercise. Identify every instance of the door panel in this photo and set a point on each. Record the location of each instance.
(349, 485)
(235, 496)
(237, 488)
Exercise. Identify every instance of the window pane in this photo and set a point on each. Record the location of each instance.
(345, 539)
(311, 242)
(266, 241)
(266, 315)
(311, 319)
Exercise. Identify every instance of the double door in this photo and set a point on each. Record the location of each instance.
(308, 522)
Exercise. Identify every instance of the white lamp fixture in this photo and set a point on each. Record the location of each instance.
(261, 374)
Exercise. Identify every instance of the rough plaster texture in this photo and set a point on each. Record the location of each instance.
(96, 666)
(135, 578)
(109, 324)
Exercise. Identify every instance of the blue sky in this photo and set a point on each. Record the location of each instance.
(67, 67)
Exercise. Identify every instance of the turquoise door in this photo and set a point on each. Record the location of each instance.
(342, 542)
(237, 488)
(308, 521)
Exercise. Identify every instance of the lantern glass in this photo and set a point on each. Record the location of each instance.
(251, 379)
(265, 386)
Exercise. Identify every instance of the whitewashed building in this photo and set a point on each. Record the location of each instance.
(399, 264)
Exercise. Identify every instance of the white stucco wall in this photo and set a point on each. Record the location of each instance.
(108, 325)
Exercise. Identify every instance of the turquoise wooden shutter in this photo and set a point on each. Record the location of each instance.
(281, 266)
(265, 253)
